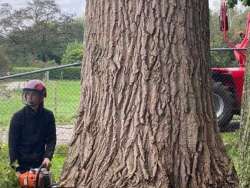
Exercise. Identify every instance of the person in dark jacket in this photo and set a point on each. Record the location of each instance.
(32, 132)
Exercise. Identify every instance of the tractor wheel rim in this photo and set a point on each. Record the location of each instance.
(218, 105)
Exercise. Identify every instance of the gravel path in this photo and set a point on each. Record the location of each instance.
(63, 133)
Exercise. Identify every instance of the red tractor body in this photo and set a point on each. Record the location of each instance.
(233, 78)
(227, 93)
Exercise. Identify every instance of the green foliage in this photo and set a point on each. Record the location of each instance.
(232, 3)
(7, 174)
(73, 53)
(245, 2)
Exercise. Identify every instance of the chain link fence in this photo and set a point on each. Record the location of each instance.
(63, 88)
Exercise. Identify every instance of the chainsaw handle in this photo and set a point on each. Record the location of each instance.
(38, 173)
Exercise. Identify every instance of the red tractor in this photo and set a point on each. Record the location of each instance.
(227, 93)
(228, 82)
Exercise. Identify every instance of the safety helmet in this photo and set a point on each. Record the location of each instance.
(37, 87)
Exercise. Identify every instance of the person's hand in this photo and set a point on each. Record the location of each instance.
(46, 163)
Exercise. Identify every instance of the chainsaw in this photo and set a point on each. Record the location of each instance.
(36, 178)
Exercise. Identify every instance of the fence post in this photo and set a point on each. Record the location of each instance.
(46, 75)
(55, 98)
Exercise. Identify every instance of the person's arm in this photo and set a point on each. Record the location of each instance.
(13, 139)
(51, 138)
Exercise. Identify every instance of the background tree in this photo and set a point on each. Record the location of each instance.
(145, 116)
(38, 31)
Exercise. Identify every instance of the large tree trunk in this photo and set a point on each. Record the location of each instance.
(244, 144)
(146, 117)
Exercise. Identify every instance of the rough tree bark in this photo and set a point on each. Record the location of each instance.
(145, 116)
(244, 144)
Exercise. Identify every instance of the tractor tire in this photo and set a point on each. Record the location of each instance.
(223, 104)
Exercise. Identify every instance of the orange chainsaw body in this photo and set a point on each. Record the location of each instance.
(28, 179)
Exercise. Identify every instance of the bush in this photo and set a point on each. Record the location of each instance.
(73, 53)
(7, 175)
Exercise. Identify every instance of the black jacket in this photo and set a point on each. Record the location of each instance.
(32, 135)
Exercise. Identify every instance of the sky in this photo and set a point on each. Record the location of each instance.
(214, 4)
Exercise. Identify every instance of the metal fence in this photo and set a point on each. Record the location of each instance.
(63, 88)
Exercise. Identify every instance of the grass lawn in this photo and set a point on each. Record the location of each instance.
(58, 160)
(63, 100)
(231, 141)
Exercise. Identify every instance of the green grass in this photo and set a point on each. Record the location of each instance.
(63, 100)
(58, 160)
(231, 141)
